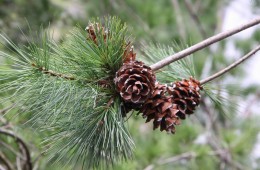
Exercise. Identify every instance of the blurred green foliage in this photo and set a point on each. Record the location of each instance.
(210, 139)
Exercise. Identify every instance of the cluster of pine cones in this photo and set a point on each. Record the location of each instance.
(164, 104)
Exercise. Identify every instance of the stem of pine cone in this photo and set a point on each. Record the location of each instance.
(203, 44)
(231, 66)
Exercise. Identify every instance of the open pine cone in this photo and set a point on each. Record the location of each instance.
(161, 109)
(135, 82)
(169, 104)
(186, 95)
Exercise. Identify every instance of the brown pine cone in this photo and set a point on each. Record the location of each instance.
(135, 82)
(161, 109)
(186, 95)
(92, 28)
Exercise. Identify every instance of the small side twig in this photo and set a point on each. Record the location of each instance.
(233, 65)
(3, 111)
(203, 44)
(52, 73)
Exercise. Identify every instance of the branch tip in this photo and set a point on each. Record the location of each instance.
(231, 66)
(203, 44)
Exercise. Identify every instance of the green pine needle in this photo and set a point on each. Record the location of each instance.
(220, 101)
(68, 92)
(176, 71)
(58, 86)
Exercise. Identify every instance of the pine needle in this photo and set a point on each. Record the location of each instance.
(59, 87)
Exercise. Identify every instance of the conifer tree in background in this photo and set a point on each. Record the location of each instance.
(80, 91)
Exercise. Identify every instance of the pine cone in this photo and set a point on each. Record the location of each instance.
(129, 54)
(135, 82)
(186, 95)
(161, 109)
(92, 28)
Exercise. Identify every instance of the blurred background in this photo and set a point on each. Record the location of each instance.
(217, 136)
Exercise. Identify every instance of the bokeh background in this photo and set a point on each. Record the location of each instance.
(217, 136)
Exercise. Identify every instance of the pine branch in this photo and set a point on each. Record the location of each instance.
(203, 44)
(233, 65)
(52, 73)
(82, 117)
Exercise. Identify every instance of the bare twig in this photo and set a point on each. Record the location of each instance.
(5, 145)
(209, 123)
(197, 5)
(22, 143)
(5, 162)
(183, 156)
(187, 156)
(3, 111)
(180, 23)
(195, 18)
(224, 154)
(233, 65)
(203, 44)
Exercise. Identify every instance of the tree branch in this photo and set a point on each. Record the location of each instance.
(5, 161)
(224, 154)
(19, 140)
(187, 155)
(183, 156)
(233, 65)
(179, 20)
(195, 18)
(10, 148)
(203, 44)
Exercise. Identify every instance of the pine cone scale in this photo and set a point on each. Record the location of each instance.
(168, 105)
(135, 82)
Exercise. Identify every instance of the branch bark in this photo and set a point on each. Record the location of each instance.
(233, 65)
(203, 44)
